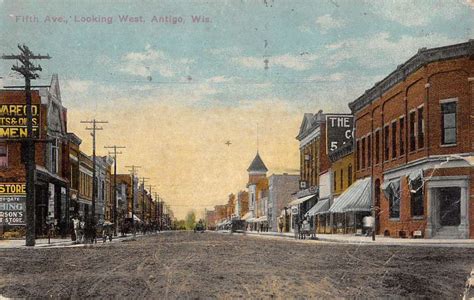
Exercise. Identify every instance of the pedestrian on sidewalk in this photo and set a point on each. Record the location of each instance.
(368, 224)
(76, 227)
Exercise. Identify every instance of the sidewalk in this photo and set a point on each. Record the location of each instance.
(379, 240)
(58, 242)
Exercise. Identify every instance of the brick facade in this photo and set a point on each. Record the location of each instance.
(399, 129)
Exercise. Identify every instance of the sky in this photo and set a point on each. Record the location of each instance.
(187, 76)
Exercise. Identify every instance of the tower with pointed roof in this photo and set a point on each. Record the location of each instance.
(257, 170)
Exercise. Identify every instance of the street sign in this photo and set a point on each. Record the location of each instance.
(12, 203)
(339, 131)
(13, 121)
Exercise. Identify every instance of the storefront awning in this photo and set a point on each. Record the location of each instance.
(301, 200)
(355, 198)
(262, 219)
(251, 220)
(246, 216)
(321, 207)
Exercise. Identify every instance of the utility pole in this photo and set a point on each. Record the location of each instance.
(149, 208)
(94, 128)
(133, 171)
(143, 198)
(114, 205)
(157, 201)
(28, 69)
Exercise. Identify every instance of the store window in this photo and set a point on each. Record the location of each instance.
(416, 194)
(391, 190)
(448, 122)
(3, 156)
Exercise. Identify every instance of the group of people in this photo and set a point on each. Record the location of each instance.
(304, 229)
(85, 231)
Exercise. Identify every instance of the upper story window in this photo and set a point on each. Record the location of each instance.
(401, 136)
(363, 153)
(385, 142)
(412, 131)
(3, 156)
(349, 175)
(421, 128)
(394, 139)
(369, 150)
(448, 123)
(342, 179)
(377, 146)
(54, 156)
(358, 155)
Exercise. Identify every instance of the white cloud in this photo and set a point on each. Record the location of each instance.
(381, 49)
(222, 79)
(334, 77)
(150, 61)
(417, 13)
(294, 62)
(326, 23)
(76, 86)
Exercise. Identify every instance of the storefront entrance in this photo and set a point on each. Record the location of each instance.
(449, 206)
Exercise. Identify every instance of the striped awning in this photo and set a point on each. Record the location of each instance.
(319, 208)
(301, 200)
(355, 198)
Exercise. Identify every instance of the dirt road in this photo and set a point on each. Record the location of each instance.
(211, 265)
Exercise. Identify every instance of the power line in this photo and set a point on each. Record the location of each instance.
(28, 70)
(94, 128)
(114, 206)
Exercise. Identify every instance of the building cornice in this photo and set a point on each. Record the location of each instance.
(421, 59)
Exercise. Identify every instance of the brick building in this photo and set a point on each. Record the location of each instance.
(414, 141)
(52, 167)
(314, 166)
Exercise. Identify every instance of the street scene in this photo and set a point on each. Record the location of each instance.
(237, 149)
(182, 265)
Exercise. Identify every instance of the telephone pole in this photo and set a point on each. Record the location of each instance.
(149, 208)
(114, 205)
(28, 70)
(143, 197)
(94, 128)
(133, 172)
(157, 201)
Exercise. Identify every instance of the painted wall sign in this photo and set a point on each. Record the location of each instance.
(12, 203)
(339, 131)
(13, 121)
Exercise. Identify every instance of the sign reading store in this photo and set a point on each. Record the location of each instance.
(12, 203)
(13, 121)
